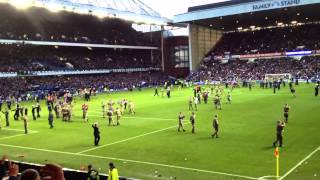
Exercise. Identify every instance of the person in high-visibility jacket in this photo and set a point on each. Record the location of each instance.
(113, 172)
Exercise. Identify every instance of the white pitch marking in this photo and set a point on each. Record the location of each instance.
(21, 130)
(18, 135)
(266, 177)
(133, 161)
(128, 139)
(299, 163)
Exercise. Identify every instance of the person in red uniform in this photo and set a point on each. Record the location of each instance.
(85, 108)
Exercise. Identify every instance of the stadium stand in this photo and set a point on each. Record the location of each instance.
(16, 58)
(280, 39)
(20, 87)
(42, 25)
(216, 70)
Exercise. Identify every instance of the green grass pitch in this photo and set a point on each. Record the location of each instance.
(148, 146)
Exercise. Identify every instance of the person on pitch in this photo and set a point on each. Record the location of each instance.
(286, 110)
(96, 133)
(192, 121)
(215, 127)
(280, 128)
(181, 119)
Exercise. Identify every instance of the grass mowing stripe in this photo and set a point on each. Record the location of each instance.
(128, 139)
(134, 161)
(93, 114)
(135, 117)
(299, 163)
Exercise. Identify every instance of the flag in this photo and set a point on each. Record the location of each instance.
(276, 152)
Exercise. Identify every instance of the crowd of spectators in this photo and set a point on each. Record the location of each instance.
(42, 25)
(15, 58)
(281, 39)
(215, 70)
(10, 170)
(20, 87)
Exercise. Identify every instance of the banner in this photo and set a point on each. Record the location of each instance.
(295, 53)
(275, 4)
(264, 55)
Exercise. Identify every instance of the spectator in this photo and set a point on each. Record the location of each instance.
(92, 174)
(113, 172)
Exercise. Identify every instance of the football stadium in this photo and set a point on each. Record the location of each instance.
(114, 90)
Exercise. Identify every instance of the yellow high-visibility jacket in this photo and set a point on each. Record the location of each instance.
(113, 174)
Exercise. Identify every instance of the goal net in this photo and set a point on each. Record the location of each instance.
(272, 77)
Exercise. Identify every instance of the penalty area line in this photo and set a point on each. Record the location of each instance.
(133, 161)
(299, 163)
(128, 139)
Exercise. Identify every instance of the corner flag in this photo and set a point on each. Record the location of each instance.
(276, 154)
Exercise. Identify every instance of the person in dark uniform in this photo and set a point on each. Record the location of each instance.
(110, 114)
(50, 119)
(250, 86)
(280, 127)
(6, 114)
(181, 118)
(38, 108)
(1, 102)
(16, 112)
(156, 93)
(192, 121)
(168, 92)
(205, 96)
(290, 84)
(33, 111)
(96, 134)
(125, 103)
(274, 86)
(316, 89)
(215, 127)
(286, 109)
(293, 92)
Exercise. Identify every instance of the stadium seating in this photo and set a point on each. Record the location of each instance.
(16, 58)
(42, 25)
(269, 40)
(307, 67)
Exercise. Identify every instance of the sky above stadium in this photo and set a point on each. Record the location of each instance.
(169, 8)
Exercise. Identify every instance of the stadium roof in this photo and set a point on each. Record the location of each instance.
(133, 10)
(231, 15)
